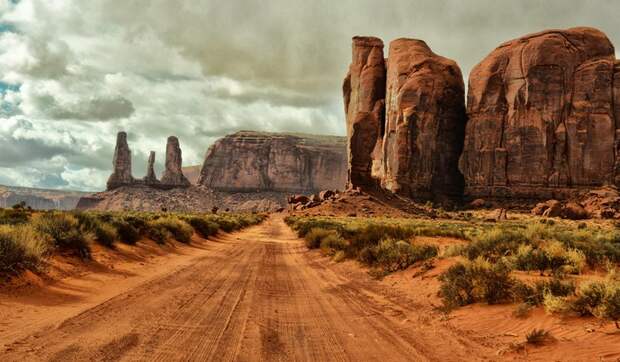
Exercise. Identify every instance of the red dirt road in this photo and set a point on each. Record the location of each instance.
(254, 295)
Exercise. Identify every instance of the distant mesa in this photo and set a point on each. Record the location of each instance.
(122, 173)
(542, 118)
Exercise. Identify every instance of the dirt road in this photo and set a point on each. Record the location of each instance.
(254, 295)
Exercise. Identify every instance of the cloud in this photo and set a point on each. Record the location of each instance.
(73, 73)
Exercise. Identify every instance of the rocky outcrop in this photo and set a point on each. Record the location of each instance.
(542, 121)
(259, 161)
(364, 104)
(151, 178)
(121, 164)
(173, 175)
(39, 199)
(406, 123)
(425, 122)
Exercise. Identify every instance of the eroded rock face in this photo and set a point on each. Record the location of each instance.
(121, 163)
(173, 175)
(541, 116)
(425, 122)
(364, 103)
(259, 161)
(151, 178)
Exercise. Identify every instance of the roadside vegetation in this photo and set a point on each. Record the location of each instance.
(28, 237)
(491, 262)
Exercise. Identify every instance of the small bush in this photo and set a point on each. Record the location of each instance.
(555, 304)
(179, 229)
(63, 229)
(552, 255)
(600, 299)
(332, 243)
(105, 234)
(158, 233)
(537, 337)
(14, 216)
(495, 243)
(21, 247)
(315, 235)
(476, 281)
(398, 254)
(534, 294)
(127, 232)
(203, 226)
(339, 256)
(522, 311)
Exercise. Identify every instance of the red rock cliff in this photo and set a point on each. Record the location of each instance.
(542, 120)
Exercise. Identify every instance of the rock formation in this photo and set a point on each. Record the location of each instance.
(542, 121)
(121, 174)
(405, 125)
(151, 178)
(259, 161)
(364, 104)
(425, 122)
(173, 175)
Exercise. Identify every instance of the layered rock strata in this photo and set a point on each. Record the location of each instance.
(259, 161)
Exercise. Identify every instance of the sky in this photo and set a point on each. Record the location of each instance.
(73, 72)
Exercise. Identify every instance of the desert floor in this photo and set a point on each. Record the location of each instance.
(259, 294)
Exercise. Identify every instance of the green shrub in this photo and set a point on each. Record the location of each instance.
(534, 294)
(332, 243)
(21, 247)
(179, 229)
(105, 234)
(600, 299)
(399, 254)
(126, 230)
(203, 226)
(476, 281)
(63, 229)
(552, 255)
(495, 243)
(315, 235)
(158, 233)
(14, 216)
(537, 337)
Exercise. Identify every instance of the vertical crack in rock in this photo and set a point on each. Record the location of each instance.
(151, 178)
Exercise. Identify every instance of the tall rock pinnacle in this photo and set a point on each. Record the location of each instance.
(151, 178)
(173, 175)
(121, 174)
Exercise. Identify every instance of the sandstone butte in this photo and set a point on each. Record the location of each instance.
(406, 121)
(541, 121)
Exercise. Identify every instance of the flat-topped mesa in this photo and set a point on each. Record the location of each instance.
(248, 161)
(151, 178)
(542, 121)
(425, 122)
(121, 164)
(173, 175)
(364, 103)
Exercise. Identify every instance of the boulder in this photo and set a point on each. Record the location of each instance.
(121, 164)
(326, 195)
(540, 208)
(542, 121)
(478, 204)
(364, 104)
(296, 199)
(173, 175)
(425, 122)
(554, 209)
(574, 211)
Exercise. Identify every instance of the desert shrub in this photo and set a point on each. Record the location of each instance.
(302, 227)
(139, 222)
(127, 232)
(158, 233)
(495, 243)
(21, 247)
(600, 299)
(476, 281)
(552, 255)
(64, 231)
(555, 304)
(203, 226)
(537, 336)
(105, 234)
(522, 310)
(339, 256)
(179, 229)
(453, 250)
(398, 254)
(333, 242)
(534, 294)
(372, 234)
(14, 216)
(315, 235)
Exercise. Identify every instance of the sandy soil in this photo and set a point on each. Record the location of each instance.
(260, 295)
